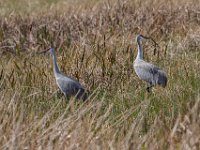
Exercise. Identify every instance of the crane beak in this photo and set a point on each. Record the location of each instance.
(155, 44)
(44, 51)
(144, 37)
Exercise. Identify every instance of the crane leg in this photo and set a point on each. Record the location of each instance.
(149, 87)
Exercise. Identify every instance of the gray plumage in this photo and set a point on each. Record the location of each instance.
(69, 87)
(146, 71)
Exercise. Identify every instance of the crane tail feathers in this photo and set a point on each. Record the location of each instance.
(162, 79)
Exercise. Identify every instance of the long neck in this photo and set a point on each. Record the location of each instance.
(55, 65)
(140, 51)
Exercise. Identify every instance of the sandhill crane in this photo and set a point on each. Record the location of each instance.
(68, 86)
(147, 71)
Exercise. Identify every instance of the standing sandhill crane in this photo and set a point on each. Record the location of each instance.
(67, 85)
(146, 71)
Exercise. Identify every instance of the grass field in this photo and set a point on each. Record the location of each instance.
(95, 44)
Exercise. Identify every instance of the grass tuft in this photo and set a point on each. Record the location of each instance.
(95, 43)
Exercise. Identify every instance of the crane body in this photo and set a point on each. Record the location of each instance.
(148, 72)
(68, 86)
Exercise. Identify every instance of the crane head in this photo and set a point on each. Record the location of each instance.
(52, 51)
(139, 37)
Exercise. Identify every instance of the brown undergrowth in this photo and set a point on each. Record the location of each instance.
(95, 43)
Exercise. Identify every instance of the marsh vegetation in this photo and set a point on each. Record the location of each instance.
(95, 44)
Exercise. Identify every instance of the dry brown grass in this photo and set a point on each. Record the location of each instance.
(95, 43)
